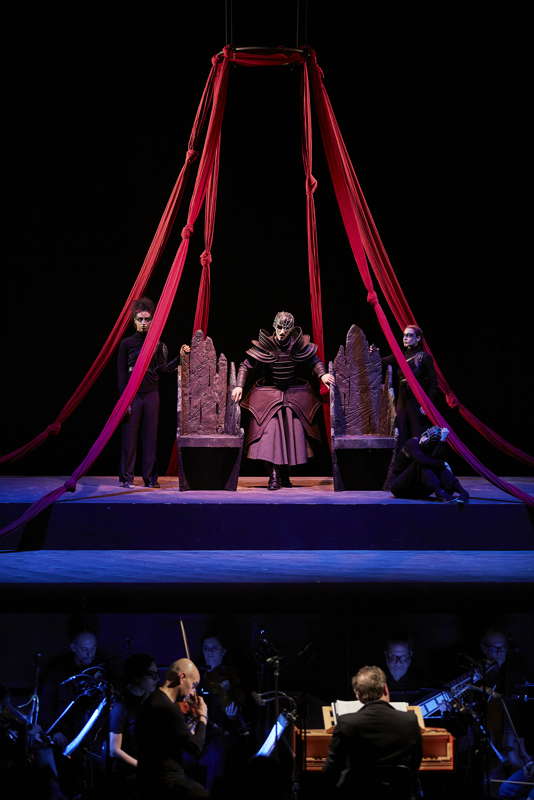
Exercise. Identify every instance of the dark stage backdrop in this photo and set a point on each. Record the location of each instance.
(433, 112)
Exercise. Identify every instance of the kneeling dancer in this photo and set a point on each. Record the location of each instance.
(420, 469)
(281, 402)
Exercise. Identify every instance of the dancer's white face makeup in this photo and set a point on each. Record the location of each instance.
(410, 338)
(142, 321)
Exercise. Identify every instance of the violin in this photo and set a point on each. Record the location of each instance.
(190, 706)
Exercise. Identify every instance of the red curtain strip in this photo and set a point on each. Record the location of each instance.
(352, 212)
(162, 309)
(396, 299)
(204, 293)
(342, 173)
(154, 251)
(314, 270)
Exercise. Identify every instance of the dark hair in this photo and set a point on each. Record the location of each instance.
(142, 304)
(136, 666)
(369, 684)
(416, 329)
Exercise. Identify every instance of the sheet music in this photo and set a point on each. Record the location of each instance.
(340, 707)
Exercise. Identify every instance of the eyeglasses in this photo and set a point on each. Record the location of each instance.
(495, 649)
(398, 659)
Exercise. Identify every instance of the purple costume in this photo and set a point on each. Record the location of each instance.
(281, 402)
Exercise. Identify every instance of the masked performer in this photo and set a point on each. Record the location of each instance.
(411, 419)
(419, 469)
(281, 402)
(143, 413)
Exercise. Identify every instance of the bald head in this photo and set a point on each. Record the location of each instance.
(183, 675)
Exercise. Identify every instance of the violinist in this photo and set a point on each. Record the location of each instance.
(228, 738)
(164, 736)
(221, 685)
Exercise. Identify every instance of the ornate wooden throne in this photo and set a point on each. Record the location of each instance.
(362, 415)
(209, 437)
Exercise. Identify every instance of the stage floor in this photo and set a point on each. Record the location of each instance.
(310, 516)
(305, 542)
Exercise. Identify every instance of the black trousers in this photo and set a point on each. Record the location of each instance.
(143, 420)
(410, 421)
(419, 482)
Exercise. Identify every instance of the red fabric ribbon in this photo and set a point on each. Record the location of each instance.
(314, 269)
(352, 210)
(162, 309)
(154, 251)
(202, 311)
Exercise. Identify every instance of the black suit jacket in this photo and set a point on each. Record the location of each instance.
(375, 736)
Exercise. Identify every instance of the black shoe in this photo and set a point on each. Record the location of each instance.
(285, 480)
(443, 496)
(152, 485)
(274, 479)
(125, 485)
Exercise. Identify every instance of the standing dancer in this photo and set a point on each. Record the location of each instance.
(143, 414)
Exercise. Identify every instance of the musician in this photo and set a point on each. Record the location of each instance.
(141, 678)
(403, 679)
(228, 733)
(377, 738)
(82, 655)
(60, 686)
(163, 737)
(502, 709)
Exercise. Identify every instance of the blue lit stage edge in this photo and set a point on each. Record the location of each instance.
(306, 537)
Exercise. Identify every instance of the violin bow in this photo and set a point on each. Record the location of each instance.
(184, 638)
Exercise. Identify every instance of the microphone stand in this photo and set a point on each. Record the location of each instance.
(275, 661)
(486, 740)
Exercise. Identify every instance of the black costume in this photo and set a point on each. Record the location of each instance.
(144, 408)
(123, 720)
(162, 739)
(419, 471)
(406, 688)
(375, 737)
(281, 402)
(410, 420)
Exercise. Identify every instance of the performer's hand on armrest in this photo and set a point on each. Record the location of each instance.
(328, 379)
(237, 394)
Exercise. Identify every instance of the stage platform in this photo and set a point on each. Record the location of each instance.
(294, 547)
(100, 515)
